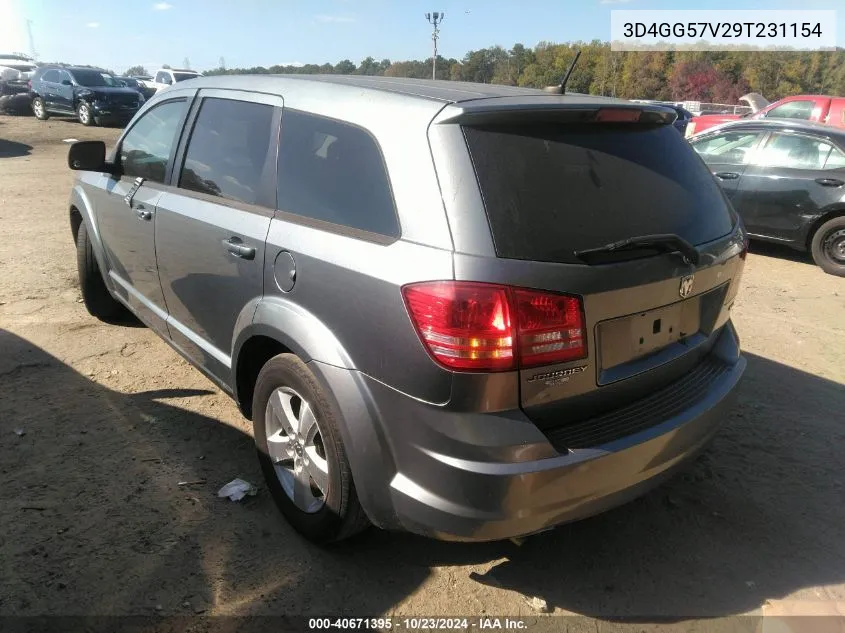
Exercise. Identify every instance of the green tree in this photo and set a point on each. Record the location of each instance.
(368, 66)
(136, 70)
(344, 67)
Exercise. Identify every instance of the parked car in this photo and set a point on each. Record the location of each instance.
(15, 72)
(787, 181)
(468, 362)
(93, 95)
(131, 82)
(168, 76)
(823, 109)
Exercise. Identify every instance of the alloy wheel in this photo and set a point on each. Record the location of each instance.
(295, 446)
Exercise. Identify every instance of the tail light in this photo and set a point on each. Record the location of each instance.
(29, 84)
(469, 326)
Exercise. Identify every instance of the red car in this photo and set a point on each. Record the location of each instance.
(823, 109)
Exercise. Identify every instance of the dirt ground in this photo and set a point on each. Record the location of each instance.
(99, 424)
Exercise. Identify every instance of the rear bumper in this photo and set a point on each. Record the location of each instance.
(480, 477)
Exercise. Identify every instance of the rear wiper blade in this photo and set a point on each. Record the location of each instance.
(666, 242)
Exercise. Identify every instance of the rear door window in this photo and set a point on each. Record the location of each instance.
(550, 191)
(227, 151)
(51, 76)
(793, 152)
(334, 172)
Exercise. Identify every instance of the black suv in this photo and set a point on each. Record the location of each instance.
(93, 95)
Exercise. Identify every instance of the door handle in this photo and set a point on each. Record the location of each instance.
(237, 248)
(727, 175)
(142, 212)
(830, 182)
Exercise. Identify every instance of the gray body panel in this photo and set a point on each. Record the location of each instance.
(469, 456)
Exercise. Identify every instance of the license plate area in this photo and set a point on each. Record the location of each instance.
(637, 335)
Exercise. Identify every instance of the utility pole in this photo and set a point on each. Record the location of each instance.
(435, 19)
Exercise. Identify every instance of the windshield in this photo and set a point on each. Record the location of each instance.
(111, 81)
(90, 78)
(184, 76)
(551, 191)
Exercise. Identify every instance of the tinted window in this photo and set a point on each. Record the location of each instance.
(794, 152)
(146, 147)
(228, 149)
(550, 191)
(52, 76)
(90, 78)
(184, 76)
(729, 148)
(793, 110)
(334, 172)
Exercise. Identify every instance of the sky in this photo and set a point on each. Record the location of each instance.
(125, 33)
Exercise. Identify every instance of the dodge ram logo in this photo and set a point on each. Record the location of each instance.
(686, 286)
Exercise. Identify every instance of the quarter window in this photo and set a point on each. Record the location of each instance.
(835, 160)
(147, 146)
(228, 150)
(334, 172)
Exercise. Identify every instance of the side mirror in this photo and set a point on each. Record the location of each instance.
(66, 82)
(88, 156)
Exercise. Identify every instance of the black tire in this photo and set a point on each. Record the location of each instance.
(85, 114)
(828, 246)
(39, 109)
(341, 515)
(96, 297)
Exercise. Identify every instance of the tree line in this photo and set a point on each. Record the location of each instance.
(710, 76)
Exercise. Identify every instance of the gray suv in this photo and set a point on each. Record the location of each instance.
(468, 311)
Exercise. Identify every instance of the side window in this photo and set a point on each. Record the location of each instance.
(146, 147)
(51, 76)
(730, 148)
(792, 110)
(162, 77)
(835, 160)
(334, 172)
(793, 152)
(228, 149)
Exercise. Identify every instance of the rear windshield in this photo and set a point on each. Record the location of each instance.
(551, 191)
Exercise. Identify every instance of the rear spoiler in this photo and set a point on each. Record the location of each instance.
(521, 111)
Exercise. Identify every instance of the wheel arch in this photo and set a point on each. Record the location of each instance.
(279, 326)
(828, 214)
(276, 325)
(81, 211)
